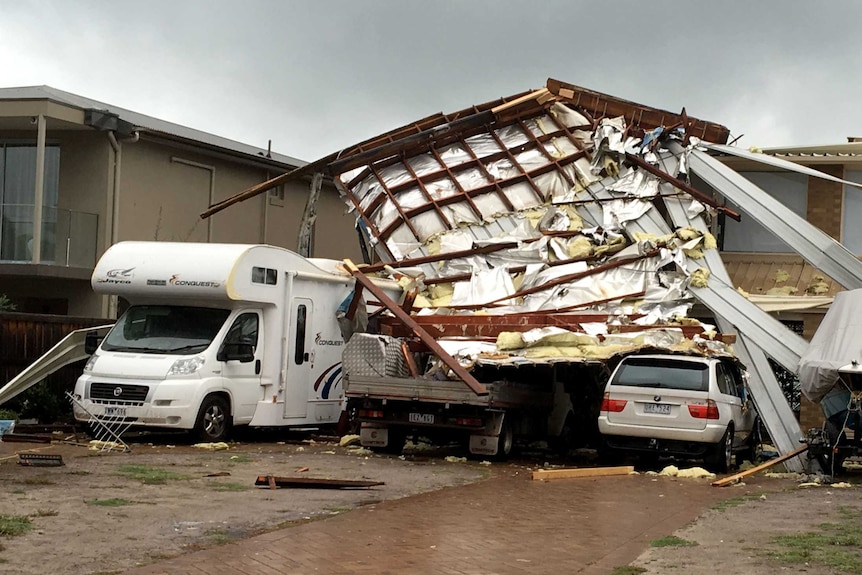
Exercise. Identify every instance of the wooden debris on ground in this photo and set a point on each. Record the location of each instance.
(571, 473)
(736, 477)
(274, 482)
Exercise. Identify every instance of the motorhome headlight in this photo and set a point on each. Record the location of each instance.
(186, 366)
(90, 363)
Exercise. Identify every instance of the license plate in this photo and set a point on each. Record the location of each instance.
(660, 408)
(425, 418)
(115, 412)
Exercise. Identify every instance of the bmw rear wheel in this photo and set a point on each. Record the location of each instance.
(720, 456)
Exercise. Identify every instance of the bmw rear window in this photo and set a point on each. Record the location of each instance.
(663, 373)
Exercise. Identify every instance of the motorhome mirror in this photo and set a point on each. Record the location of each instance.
(92, 341)
(241, 352)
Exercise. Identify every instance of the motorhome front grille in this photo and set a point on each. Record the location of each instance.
(118, 393)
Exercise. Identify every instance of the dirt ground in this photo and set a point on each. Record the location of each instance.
(736, 539)
(90, 517)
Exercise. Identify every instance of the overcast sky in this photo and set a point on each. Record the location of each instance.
(318, 76)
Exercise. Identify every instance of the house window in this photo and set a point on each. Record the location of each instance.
(276, 196)
(267, 276)
(851, 231)
(17, 184)
(748, 235)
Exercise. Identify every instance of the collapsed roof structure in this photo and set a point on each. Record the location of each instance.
(570, 209)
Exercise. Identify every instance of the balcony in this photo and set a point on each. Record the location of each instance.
(68, 236)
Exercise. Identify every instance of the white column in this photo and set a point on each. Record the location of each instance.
(39, 192)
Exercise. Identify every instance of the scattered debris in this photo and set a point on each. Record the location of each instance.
(689, 473)
(571, 473)
(454, 459)
(302, 470)
(24, 438)
(360, 451)
(98, 445)
(842, 485)
(732, 478)
(313, 483)
(348, 440)
(220, 446)
(40, 460)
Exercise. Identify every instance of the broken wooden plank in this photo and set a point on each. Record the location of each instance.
(313, 482)
(25, 438)
(572, 473)
(421, 333)
(733, 478)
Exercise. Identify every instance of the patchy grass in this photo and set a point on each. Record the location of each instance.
(45, 513)
(150, 475)
(672, 541)
(114, 502)
(836, 545)
(627, 570)
(230, 487)
(78, 472)
(736, 501)
(12, 525)
(218, 536)
(39, 481)
(338, 509)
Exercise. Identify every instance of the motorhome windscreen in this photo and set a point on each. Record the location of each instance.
(663, 373)
(165, 329)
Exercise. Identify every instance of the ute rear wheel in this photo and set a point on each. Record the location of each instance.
(214, 421)
(506, 440)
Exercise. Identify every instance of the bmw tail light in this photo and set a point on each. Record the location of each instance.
(612, 405)
(708, 411)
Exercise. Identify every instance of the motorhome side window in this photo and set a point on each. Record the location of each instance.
(299, 356)
(267, 276)
(244, 330)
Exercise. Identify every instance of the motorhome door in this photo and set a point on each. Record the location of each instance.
(300, 360)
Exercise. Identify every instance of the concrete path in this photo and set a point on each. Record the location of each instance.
(507, 524)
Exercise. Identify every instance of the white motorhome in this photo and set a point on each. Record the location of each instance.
(217, 336)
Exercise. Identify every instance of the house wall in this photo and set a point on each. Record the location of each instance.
(825, 200)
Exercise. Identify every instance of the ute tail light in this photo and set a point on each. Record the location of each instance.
(612, 405)
(708, 411)
(371, 413)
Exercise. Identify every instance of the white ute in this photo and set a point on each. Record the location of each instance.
(217, 335)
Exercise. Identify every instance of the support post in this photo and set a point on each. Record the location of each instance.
(306, 226)
(38, 192)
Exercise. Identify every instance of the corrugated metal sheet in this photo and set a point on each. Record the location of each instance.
(758, 273)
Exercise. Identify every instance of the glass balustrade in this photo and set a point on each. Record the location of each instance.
(68, 236)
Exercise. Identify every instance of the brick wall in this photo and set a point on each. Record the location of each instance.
(825, 200)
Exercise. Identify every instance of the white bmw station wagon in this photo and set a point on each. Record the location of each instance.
(680, 405)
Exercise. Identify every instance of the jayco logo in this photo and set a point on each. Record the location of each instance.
(320, 341)
(118, 276)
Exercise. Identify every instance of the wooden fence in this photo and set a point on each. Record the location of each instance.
(25, 337)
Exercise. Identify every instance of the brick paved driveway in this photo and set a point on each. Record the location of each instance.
(507, 524)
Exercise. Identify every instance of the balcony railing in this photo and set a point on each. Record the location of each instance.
(68, 236)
